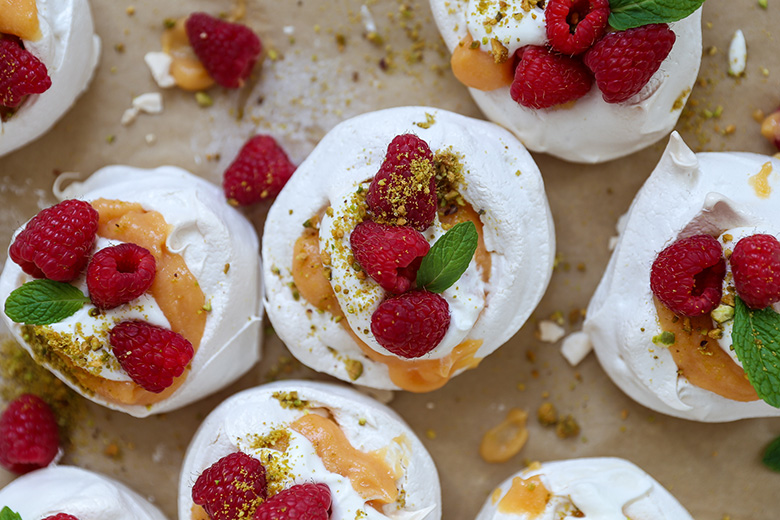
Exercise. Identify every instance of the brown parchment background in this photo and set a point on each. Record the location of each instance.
(713, 469)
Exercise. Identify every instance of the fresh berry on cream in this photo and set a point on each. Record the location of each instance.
(323, 295)
(173, 271)
(663, 349)
(275, 440)
(66, 45)
(556, 73)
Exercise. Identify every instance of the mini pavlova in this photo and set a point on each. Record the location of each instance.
(300, 449)
(592, 488)
(411, 243)
(141, 290)
(48, 53)
(70, 493)
(584, 80)
(685, 318)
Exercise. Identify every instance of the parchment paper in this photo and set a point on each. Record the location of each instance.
(713, 469)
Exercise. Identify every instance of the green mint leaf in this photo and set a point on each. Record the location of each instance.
(42, 302)
(7, 514)
(771, 457)
(449, 258)
(627, 14)
(756, 340)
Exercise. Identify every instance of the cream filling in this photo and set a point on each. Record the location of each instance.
(240, 421)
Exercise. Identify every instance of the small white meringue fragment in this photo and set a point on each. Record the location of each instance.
(550, 332)
(593, 488)
(70, 49)
(517, 230)
(575, 347)
(247, 420)
(149, 103)
(737, 54)
(592, 130)
(219, 247)
(159, 64)
(77, 492)
(718, 194)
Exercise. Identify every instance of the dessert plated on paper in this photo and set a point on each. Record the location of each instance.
(70, 493)
(141, 290)
(598, 488)
(412, 243)
(571, 78)
(48, 52)
(307, 446)
(684, 320)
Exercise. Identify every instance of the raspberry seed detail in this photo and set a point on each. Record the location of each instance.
(688, 275)
(119, 274)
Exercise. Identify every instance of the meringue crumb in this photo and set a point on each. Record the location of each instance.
(737, 54)
(549, 331)
(575, 347)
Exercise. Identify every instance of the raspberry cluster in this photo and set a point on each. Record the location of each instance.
(687, 276)
(402, 202)
(57, 244)
(235, 487)
(581, 51)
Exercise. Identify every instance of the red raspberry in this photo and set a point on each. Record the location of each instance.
(405, 185)
(623, 62)
(755, 264)
(56, 243)
(227, 50)
(688, 275)
(152, 356)
(21, 74)
(61, 516)
(29, 438)
(391, 255)
(300, 502)
(574, 25)
(412, 324)
(258, 173)
(231, 488)
(119, 274)
(544, 79)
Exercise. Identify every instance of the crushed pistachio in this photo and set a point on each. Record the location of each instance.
(664, 338)
(290, 400)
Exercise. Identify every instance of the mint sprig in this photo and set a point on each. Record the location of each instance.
(8, 514)
(771, 457)
(627, 14)
(756, 340)
(43, 302)
(448, 258)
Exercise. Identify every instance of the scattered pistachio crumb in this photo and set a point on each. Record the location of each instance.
(203, 99)
(664, 338)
